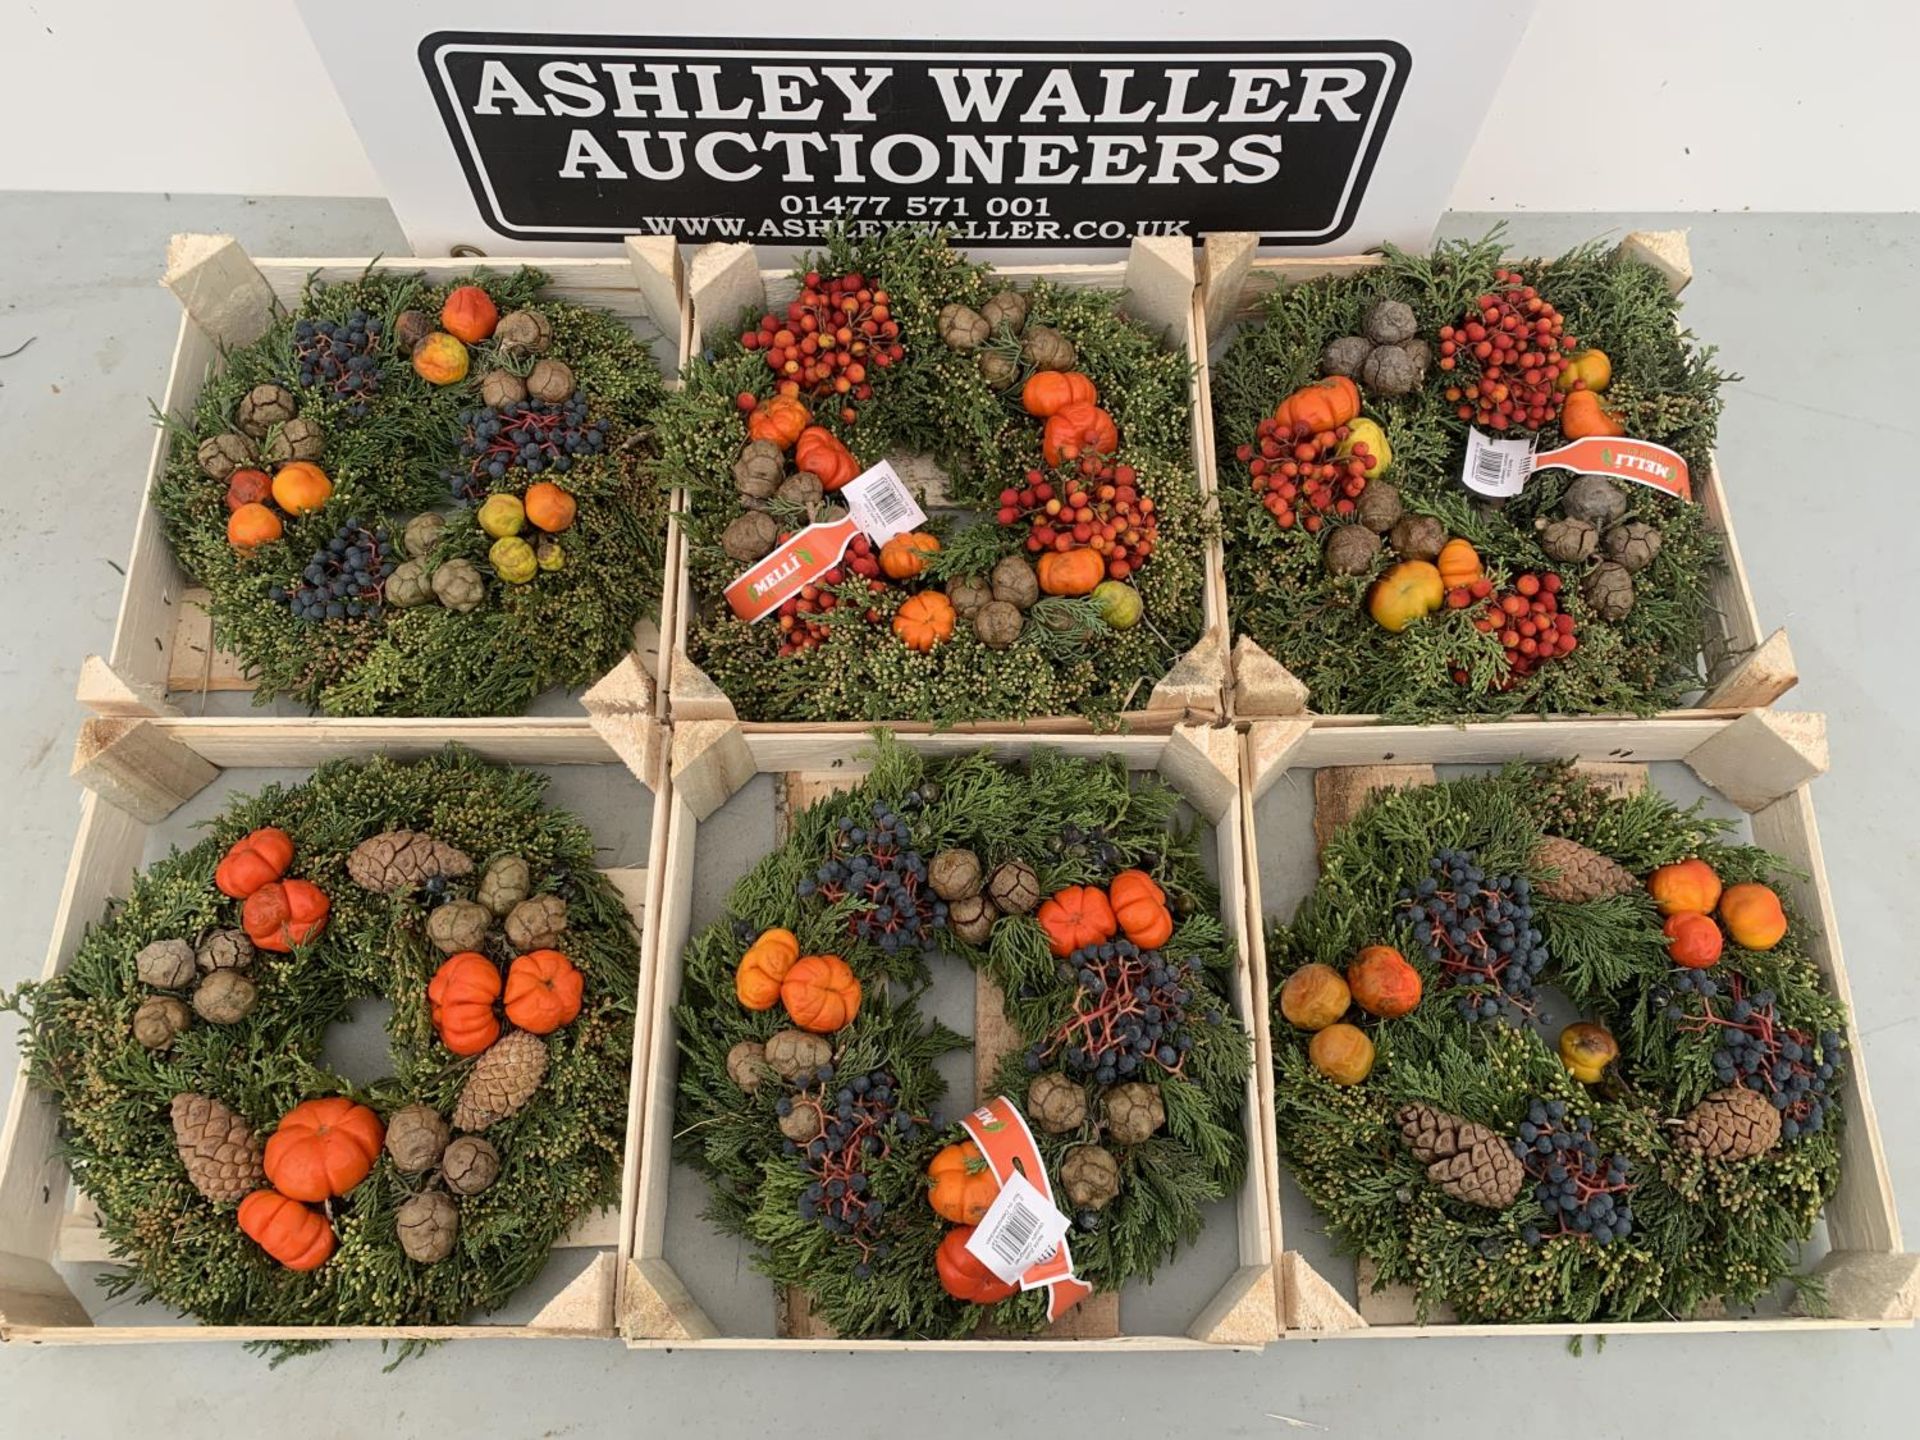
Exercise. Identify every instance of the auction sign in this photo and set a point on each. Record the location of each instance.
(561, 141)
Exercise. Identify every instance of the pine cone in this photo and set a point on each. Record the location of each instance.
(503, 1079)
(1731, 1124)
(1467, 1161)
(1584, 874)
(398, 860)
(217, 1147)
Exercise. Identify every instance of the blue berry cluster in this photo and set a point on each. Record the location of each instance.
(1092, 842)
(1478, 929)
(524, 434)
(876, 865)
(343, 579)
(341, 357)
(1757, 1050)
(1131, 1009)
(1586, 1191)
(860, 1123)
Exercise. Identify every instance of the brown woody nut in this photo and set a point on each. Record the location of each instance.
(954, 874)
(969, 597)
(759, 469)
(221, 455)
(165, 964)
(422, 535)
(962, 327)
(997, 368)
(224, 950)
(1056, 1104)
(1389, 322)
(998, 623)
(408, 585)
(971, 919)
(801, 1124)
(1350, 550)
(1045, 348)
(1568, 541)
(1595, 499)
(1014, 888)
(1389, 370)
(1008, 308)
(470, 1165)
(426, 1225)
(1417, 537)
(1133, 1112)
(747, 1065)
(536, 923)
(226, 997)
(298, 439)
(1379, 507)
(504, 884)
(459, 925)
(1419, 352)
(1015, 582)
(159, 1021)
(1090, 1176)
(1345, 356)
(500, 388)
(1632, 546)
(790, 1052)
(263, 407)
(523, 332)
(1608, 589)
(550, 381)
(458, 585)
(750, 537)
(801, 489)
(410, 328)
(416, 1138)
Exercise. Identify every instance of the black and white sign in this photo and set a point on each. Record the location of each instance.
(581, 139)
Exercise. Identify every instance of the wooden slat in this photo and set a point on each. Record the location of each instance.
(303, 741)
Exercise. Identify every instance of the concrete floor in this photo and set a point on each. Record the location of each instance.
(1820, 313)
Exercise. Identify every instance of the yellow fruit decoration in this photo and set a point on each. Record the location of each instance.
(1586, 1050)
(513, 560)
(1366, 432)
(1409, 590)
(503, 515)
(1592, 366)
(549, 554)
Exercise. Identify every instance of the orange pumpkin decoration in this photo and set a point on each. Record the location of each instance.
(548, 507)
(460, 999)
(323, 1148)
(440, 359)
(1324, 405)
(1383, 983)
(1583, 415)
(757, 980)
(963, 1187)
(1753, 915)
(1459, 564)
(469, 314)
(781, 420)
(1693, 940)
(1076, 917)
(248, 487)
(252, 861)
(301, 487)
(1140, 907)
(905, 556)
(820, 452)
(1688, 887)
(1048, 392)
(253, 524)
(299, 1238)
(284, 914)
(926, 620)
(821, 993)
(1081, 428)
(964, 1275)
(543, 991)
(1071, 572)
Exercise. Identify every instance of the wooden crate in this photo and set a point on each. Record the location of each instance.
(1158, 278)
(714, 759)
(1746, 667)
(1760, 763)
(163, 662)
(44, 1220)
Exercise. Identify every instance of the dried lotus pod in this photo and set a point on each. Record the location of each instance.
(536, 923)
(469, 1165)
(1014, 582)
(226, 997)
(997, 368)
(1008, 308)
(1633, 546)
(1014, 888)
(1345, 355)
(298, 439)
(459, 586)
(954, 874)
(971, 919)
(1056, 1104)
(160, 1020)
(1350, 550)
(1045, 348)
(165, 965)
(224, 950)
(1388, 322)
(747, 1065)
(396, 861)
(792, 1052)
(221, 455)
(459, 925)
(759, 469)
(263, 407)
(1133, 1112)
(523, 332)
(1090, 1176)
(417, 1137)
(427, 1224)
(1568, 541)
(963, 328)
(998, 623)
(750, 537)
(501, 388)
(550, 381)
(422, 535)
(504, 884)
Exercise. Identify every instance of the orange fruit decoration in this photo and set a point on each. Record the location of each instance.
(1077, 429)
(1342, 1053)
(1071, 572)
(1047, 392)
(548, 507)
(284, 914)
(469, 314)
(905, 556)
(299, 1238)
(1140, 908)
(460, 999)
(1323, 405)
(1314, 996)
(440, 359)
(1383, 983)
(924, 620)
(1075, 918)
(253, 524)
(1586, 1049)
(821, 993)
(963, 1186)
(1692, 940)
(1689, 886)
(323, 1148)
(248, 487)
(964, 1276)
(1405, 593)
(252, 861)
(820, 452)
(757, 979)
(1583, 415)
(543, 991)
(300, 487)
(1753, 916)
(1458, 563)
(780, 420)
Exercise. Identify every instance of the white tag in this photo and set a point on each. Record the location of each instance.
(1496, 467)
(881, 504)
(1020, 1229)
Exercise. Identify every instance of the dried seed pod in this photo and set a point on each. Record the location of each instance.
(801, 1124)
(226, 997)
(1015, 582)
(1350, 550)
(550, 381)
(1008, 308)
(1090, 1176)
(997, 368)
(747, 1065)
(790, 1052)
(1417, 537)
(1045, 348)
(1731, 1124)
(470, 1165)
(408, 586)
(426, 1225)
(1584, 874)
(1595, 499)
(962, 328)
(1632, 546)
(224, 950)
(1345, 356)
(954, 874)
(998, 623)
(396, 861)
(1014, 888)
(500, 388)
(217, 1146)
(537, 923)
(523, 332)
(1569, 542)
(417, 1137)
(759, 470)
(1132, 1112)
(1419, 352)
(1056, 1104)
(1389, 322)
(1608, 590)
(165, 965)
(750, 537)
(1389, 370)
(504, 884)
(1378, 507)
(459, 925)
(971, 919)
(221, 455)
(298, 439)
(459, 586)
(422, 535)
(159, 1020)
(502, 1080)
(1467, 1161)
(802, 490)
(410, 328)
(969, 597)
(263, 407)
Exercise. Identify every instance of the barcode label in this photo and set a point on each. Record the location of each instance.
(1496, 467)
(1020, 1228)
(881, 504)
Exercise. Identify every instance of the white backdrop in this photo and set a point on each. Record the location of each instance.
(1669, 105)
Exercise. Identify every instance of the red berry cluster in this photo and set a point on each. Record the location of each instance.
(1096, 505)
(1509, 349)
(835, 335)
(802, 625)
(1532, 627)
(1299, 477)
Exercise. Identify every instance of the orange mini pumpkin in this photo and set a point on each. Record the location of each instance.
(460, 999)
(253, 524)
(1459, 564)
(905, 556)
(1324, 405)
(820, 452)
(253, 860)
(1688, 886)
(964, 1275)
(297, 1237)
(1047, 392)
(1583, 415)
(821, 993)
(248, 487)
(301, 487)
(548, 507)
(284, 914)
(323, 1148)
(469, 314)
(1140, 908)
(781, 420)
(543, 991)
(1383, 983)
(440, 359)
(757, 979)
(1071, 572)
(1753, 915)
(962, 1186)
(1693, 940)
(1077, 429)
(1076, 917)
(924, 621)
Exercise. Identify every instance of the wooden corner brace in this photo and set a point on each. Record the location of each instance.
(1159, 282)
(1197, 681)
(1663, 250)
(722, 281)
(1270, 749)
(1202, 762)
(1262, 685)
(1763, 755)
(691, 695)
(655, 1305)
(711, 761)
(620, 707)
(102, 691)
(219, 287)
(1309, 1303)
(138, 767)
(1225, 259)
(1763, 675)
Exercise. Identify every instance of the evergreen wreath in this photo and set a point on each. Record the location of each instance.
(1307, 602)
(90, 1043)
(954, 391)
(780, 1120)
(1638, 1179)
(484, 612)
